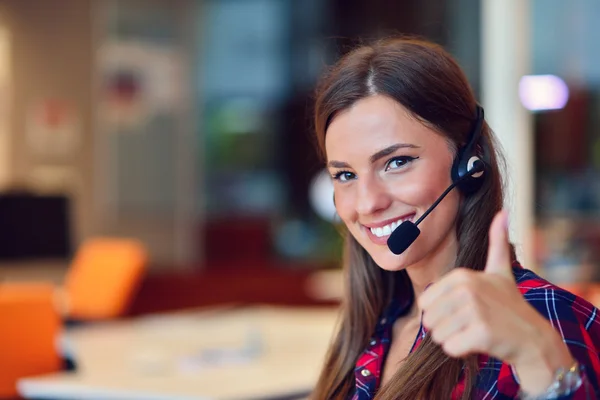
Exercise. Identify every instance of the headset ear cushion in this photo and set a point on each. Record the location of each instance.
(470, 165)
(461, 167)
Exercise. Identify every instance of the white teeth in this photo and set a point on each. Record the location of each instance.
(388, 229)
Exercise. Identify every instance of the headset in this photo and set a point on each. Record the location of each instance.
(467, 180)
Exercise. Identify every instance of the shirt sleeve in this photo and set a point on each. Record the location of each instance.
(576, 320)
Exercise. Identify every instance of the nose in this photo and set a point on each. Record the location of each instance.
(373, 196)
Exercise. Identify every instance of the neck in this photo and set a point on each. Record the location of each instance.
(430, 269)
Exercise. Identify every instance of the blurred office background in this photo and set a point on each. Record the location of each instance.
(186, 126)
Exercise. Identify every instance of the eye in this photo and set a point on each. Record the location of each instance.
(398, 162)
(343, 176)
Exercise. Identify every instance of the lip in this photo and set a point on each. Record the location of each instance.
(388, 221)
(383, 240)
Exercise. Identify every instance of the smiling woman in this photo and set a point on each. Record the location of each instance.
(392, 122)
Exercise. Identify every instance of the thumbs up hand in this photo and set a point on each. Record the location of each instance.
(483, 312)
(499, 258)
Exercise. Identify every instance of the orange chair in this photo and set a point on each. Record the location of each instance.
(29, 326)
(103, 278)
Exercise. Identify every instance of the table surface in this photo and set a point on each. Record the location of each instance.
(218, 354)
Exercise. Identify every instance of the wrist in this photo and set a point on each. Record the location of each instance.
(566, 382)
(538, 365)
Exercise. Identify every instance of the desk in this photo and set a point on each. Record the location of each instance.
(156, 357)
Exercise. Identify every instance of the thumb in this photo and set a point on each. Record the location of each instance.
(499, 258)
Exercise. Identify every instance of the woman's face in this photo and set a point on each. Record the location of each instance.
(388, 167)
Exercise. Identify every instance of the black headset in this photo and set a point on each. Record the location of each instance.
(467, 158)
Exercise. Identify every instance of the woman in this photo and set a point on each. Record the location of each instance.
(394, 121)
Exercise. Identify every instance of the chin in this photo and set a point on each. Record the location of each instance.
(389, 261)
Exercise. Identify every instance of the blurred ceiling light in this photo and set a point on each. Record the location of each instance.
(543, 92)
(321, 196)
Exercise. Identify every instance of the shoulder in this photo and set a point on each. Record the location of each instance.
(561, 307)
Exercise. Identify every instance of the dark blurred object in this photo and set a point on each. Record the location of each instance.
(563, 137)
(356, 21)
(298, 156)
(225, 283)
(34, 226)
(241, 240)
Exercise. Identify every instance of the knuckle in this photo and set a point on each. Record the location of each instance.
(427, 319)
(468, 294)
(450, 349)
(435, 336)
(462, 274)
(484, 335)
(473, 284)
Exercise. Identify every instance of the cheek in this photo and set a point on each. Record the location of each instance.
(344, 205)
(422, 190)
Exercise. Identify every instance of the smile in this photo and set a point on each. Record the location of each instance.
(387, 230)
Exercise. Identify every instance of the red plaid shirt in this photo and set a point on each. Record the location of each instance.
(575, 319)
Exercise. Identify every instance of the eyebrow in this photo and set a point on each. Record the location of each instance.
(377, 156)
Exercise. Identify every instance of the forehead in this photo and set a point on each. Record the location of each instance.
(374, 123)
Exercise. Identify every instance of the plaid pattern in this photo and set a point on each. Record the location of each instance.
(574, 318)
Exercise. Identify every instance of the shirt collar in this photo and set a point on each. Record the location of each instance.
(400, 303)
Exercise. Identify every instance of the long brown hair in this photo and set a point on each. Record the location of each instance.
(423, 78)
